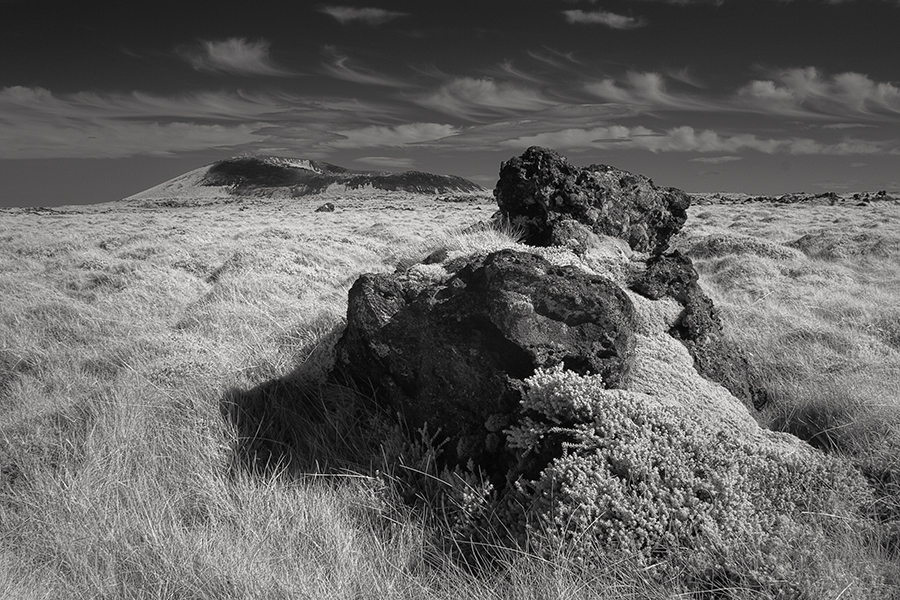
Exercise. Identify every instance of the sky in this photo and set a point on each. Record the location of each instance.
(103, 99)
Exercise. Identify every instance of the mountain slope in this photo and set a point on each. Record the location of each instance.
(276, 177)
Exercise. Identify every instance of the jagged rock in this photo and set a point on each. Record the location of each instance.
(327, 207)
(582, 401)
(540, 189)
(451, 348)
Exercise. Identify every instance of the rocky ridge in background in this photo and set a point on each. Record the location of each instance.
(581, 378)
(823, 198)
(250, 177)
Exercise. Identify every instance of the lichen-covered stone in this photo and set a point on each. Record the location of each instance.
(699, 327)
(452, 351)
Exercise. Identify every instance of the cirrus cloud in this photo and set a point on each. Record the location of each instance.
(688, 139)
(40, 124)
(716, 160)
(602, 17)
(369, 16)
(341, 67)
(235, 55)
(807, 92)
(479, 98)
(647, 91)
(399, 135)
(387, 161)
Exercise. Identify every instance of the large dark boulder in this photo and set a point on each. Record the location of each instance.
(699, 327)
(452, 353)
(540, 189)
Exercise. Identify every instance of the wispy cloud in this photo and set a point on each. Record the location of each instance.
(369, 16)
(399, 135)
(687, 139)
(340, 66)
(847, 125)
(806, 92)
(87, 124)
(685, 75)
(563, 61)
(797, 92)
(47, 139)
(646, 90)
(716, 160)
(513, 109)
(235, 55)
(41, 124)
(507, 69)
(387, 162)
(602, 17)
(479, 98)
(579, 138)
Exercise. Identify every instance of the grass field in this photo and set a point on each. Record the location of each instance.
(125, 332)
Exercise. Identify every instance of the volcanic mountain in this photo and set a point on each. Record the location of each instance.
(277, 177)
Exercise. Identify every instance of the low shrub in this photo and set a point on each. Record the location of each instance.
(633, 475)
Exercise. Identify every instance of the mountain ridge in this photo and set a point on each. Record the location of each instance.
(255, 176)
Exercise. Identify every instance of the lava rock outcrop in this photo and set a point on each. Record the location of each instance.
(451, 347)
(580, 377)
(448, 342)
(540, 189)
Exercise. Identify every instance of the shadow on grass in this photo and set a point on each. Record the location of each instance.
(285, 425)
(304, 422)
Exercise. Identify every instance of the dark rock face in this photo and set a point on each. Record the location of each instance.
(668, 275)
(327, 207)
(454, 353)
(450, 342)
(699, 327)
(539, 189)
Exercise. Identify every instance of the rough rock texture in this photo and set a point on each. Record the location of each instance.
(452, 349)
(699, 327)
(571, 234)
(589, 419)
(540, 189)
(581, 378)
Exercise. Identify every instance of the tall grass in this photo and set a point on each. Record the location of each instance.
(811, 293)
(164, 432)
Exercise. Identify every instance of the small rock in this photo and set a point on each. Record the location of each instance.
(327, 207)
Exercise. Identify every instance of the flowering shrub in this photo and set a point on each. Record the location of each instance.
(635, 475)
